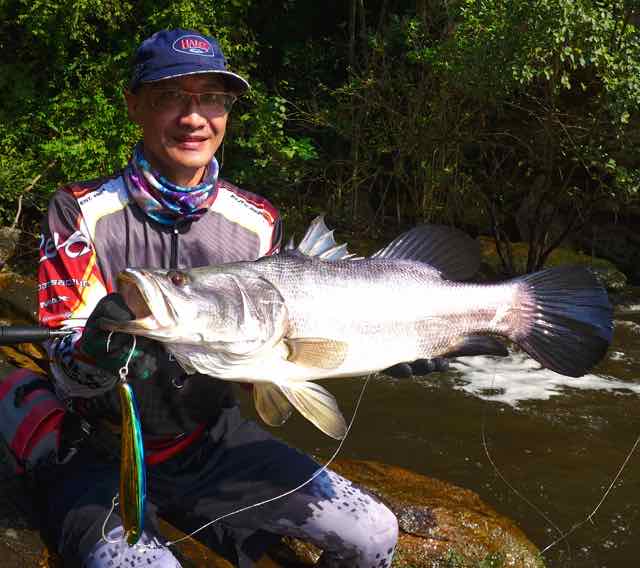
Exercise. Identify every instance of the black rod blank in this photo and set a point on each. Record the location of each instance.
(13, 334)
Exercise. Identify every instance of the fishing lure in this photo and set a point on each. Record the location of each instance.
(133, 485)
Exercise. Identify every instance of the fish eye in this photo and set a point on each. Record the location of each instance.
(178, 278)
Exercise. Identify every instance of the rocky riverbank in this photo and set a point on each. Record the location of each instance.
(441, 525)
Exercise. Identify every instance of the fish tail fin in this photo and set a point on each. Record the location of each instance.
(317, 405)
(271, 404)
(566, 321)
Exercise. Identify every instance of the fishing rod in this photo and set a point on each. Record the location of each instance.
(13, 334)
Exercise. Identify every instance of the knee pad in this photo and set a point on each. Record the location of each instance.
(148, 552)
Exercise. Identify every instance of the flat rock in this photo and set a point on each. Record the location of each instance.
(442, 524)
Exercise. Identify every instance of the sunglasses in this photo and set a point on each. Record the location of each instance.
(210, 103)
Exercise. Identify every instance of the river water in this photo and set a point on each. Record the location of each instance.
(540, 448)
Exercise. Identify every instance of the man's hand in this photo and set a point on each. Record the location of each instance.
(418, 368)
(109, 351)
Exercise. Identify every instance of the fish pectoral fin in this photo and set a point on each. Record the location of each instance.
(317, 405)
(317, 352)
(271, 404)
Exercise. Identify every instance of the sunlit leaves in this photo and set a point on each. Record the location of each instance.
(66, 66)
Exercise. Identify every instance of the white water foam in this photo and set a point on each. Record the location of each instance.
(517, 377)
(632, 325)
(625, 308)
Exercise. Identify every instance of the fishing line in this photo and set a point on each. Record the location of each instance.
(254, 505)
(563, 535)
(518, 493)
(287, 493)
(590, 516)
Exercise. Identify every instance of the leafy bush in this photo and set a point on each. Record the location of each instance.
(63, 102)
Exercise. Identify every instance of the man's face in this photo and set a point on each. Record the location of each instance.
(180, 134)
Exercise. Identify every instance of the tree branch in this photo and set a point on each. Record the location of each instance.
(27, 190)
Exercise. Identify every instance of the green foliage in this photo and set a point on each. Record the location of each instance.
(64, 103)
(552, 92)
(514, 117)
(266, 152)
(504, 48)
(401, 158)
(493, 269)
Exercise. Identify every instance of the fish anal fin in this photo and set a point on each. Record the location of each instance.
(185, 362)
(271, 404)
(317, 352)
(476, 344)
(317, 405)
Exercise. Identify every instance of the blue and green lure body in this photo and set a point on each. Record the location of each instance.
(133, 484)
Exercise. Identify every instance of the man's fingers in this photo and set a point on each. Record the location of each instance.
(417, 368)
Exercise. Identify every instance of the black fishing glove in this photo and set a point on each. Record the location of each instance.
(109, 351)
(417, 368)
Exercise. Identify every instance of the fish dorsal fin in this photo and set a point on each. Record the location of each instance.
(271, 404)
(318, 242)
(316, 352)
(317, 405)
(450, 251)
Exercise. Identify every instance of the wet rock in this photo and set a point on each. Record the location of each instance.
(619, 243)
(442, 524)
(9, 237)
(17, 306)
(491, 268)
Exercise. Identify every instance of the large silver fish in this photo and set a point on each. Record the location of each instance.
(315, 312)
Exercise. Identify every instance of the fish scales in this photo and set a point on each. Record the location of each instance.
(315, 312)
(384, 326)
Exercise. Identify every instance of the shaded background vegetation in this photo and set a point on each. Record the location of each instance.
(517, 119)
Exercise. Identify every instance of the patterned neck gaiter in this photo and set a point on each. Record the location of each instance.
(164, 201)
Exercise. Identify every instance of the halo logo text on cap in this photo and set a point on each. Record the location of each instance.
(194, 45)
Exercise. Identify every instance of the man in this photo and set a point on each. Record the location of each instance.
(169, 208)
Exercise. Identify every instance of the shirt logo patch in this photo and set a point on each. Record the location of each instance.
(193, 45)
(74, 246)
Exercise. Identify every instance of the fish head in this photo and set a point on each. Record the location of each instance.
(235, 311)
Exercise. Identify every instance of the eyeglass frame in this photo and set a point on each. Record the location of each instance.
(156, 92)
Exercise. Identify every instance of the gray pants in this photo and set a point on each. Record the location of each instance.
(236, 464)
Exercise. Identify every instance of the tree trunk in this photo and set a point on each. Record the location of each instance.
(421, 11)
(352, 32)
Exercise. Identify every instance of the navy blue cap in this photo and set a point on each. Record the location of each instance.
(174, 53)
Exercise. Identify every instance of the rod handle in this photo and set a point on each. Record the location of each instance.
(13, 334)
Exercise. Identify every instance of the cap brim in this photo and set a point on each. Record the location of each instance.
(236, 83)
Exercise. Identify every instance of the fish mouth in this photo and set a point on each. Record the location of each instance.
(133, 296)
(144, 296)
